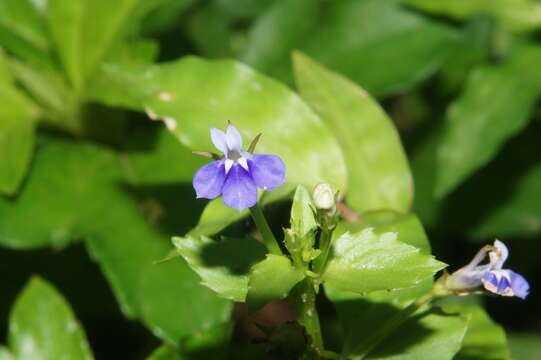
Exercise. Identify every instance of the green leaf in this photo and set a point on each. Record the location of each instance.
(379, 307)
(429, 335)
(167, 297)
(366, 262)
(519, 15)
(222, 265)
(83, 31)
(5, 354)
(16, 146)
(23, 31)
(281, 28)
(70, 176)
(16, 132)
(360, 39)
(42, 326)
(83, 182)
(104, 89)
(484, 339)
(153, 166)
(166, 352)
(303, 220)
(525, 346)
(203, 94)
(520, 215)
(212, 343)
(374, 155)
(474, 132)
(271, 279)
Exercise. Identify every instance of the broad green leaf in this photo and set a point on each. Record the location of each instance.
(519, 215)
(473, 131)
(65, 23)
(70, 176)
(157, 164)
(166, 352)
(210, 29)
(484, 339)
(303, 219)
(83, 31)
(213, 343)
(374, 155)
(282, 27)
(472, 49)
(271, 279)
(428, 335)
(5, 354)
(519, 15)
(525, 346)
(105, 90)
(200, 94)
(379, 307)
(366, 262)
(167, 297)
(84, 182)
(23, 31)
(163, 15)
(361, 40)
(16, 132)
(42, 326)
(222, 265)
(16, 146)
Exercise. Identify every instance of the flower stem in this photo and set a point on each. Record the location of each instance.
(268, 237)
(325, 245)
(303, 299)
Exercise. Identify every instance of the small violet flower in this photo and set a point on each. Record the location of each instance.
(491, 275)
(238, 173)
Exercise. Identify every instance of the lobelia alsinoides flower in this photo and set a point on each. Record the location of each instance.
(238, 173)
(491, 275)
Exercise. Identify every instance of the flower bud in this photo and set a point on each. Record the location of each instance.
(324, 196)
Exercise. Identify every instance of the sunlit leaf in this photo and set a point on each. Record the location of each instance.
(374, 155)
(473, 131)
(222, 265)
(519, 15)
(42, 326)
(271, 279)
(366, 262)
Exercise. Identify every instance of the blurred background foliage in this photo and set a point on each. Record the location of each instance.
(92, 191)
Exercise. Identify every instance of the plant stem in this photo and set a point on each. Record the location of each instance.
(325, 245)
(261, 223)
(303, 298)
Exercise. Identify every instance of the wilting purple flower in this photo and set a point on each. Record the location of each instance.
(499, 281)
(238, 173)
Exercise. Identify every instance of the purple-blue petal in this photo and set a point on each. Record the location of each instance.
(503, 285)
(491, 278)
(209, 180)
(239, 190)
(519, 284)
(268, 171)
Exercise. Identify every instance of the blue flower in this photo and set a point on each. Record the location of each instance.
(238, 173)
(491, 275)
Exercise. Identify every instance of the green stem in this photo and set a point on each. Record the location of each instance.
(261, 223)
(303, 298)
(325, 245)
